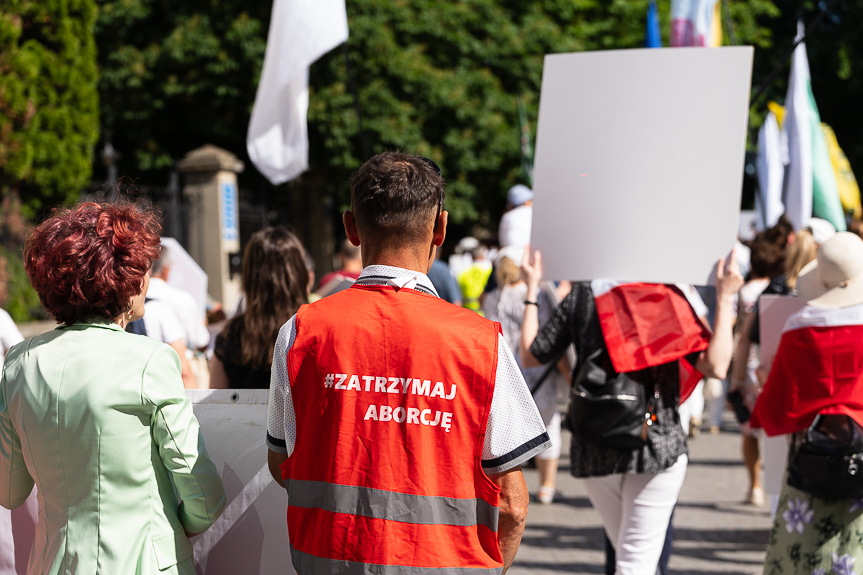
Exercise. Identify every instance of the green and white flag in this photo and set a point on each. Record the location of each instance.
(810, 182)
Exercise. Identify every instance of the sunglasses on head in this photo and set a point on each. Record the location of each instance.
(436, 168)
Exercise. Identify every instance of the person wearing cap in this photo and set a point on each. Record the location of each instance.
(398, 422)
(816, 379)
(515, 224)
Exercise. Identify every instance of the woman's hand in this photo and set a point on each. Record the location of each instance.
(531, 273)
(728, 281)
(714, 361)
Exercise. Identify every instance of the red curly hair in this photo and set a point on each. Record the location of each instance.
(88, 262)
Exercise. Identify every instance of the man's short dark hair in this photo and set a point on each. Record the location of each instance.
(397, 193)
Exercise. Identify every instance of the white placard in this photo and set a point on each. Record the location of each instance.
(251, 536)
(639, 162)
(773, 312)
(186, 274)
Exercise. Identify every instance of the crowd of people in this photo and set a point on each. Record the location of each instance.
(405, 399)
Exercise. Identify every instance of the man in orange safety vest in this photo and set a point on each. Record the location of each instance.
(397, 421)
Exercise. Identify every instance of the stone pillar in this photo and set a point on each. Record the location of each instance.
(210, 188)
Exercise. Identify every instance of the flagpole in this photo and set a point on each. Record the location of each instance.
(778, 68)
(364, 145)
(732, 37)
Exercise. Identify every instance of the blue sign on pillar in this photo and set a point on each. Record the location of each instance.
(230, 211)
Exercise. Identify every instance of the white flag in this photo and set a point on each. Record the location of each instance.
(771, 173)
(301, 31)
(797, 128)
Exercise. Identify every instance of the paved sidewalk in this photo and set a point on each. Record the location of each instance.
(714, 531)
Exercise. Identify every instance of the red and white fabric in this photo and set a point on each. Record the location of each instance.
(818, 369)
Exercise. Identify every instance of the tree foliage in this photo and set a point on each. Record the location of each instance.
(436, 77)
(48, 99)
(177, 75)
(444, 78)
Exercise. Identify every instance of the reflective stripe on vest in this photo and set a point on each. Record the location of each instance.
(403, 507)
(305, 563)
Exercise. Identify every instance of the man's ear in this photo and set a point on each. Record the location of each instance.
(351, 227)
(440, 229)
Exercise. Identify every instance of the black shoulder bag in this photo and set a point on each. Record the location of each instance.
(611, 412)
(828, 462)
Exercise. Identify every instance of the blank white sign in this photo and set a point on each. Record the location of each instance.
(251, 536)
(639, 162)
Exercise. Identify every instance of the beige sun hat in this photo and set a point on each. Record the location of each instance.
(835, 278)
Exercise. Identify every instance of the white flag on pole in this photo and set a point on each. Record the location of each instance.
(771, 173)
(301, 31)
(797, 128)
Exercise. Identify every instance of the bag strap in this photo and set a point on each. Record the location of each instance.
(551, 367)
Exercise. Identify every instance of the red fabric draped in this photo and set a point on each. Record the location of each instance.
(645, 325)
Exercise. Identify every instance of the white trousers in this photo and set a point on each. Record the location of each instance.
(635, 510)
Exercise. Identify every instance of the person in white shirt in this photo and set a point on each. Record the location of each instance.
(515, 224)
(190, 317)
(161, 324)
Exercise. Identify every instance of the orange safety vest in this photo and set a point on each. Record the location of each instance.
(391, 391)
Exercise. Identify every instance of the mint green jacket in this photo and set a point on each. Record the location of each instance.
(98, 418)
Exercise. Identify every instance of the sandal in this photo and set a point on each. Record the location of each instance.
(545, 494)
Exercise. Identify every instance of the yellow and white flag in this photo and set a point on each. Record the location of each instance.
(849, 191)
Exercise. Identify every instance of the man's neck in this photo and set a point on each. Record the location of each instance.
(413, 260)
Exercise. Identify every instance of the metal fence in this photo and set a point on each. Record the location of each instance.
(254, 211)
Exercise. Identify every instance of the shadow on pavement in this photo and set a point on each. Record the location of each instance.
(561, 567)
(725, 507)
(562, 537)
(578, 502)
(743, 539)
(717, 462)
(715, 545)
(701, 572)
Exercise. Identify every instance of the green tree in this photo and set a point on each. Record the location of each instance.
(177, 75)
(435, 77)
(48, 99)
(443, 79)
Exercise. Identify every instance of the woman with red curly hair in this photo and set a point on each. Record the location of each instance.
(98, 417)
